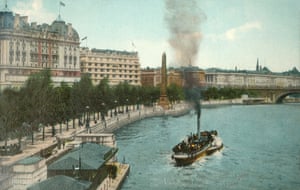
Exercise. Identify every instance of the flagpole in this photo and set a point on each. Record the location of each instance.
(85, 38)
(59, 10)
(60, 4)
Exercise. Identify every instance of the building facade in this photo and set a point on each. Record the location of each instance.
(26, 48)
(150, 77)
(251, 80)
(116, 66)
(177, 76)
(28, 171)
(194, 77)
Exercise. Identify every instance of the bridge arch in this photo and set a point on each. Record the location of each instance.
(281, 96)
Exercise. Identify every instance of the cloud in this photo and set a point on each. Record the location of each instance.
(34, 10)
(233, 33)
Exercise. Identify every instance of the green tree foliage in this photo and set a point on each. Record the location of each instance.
(10, 116)
(36, 99)
(38, 104)
(175, 93)
(103, 94)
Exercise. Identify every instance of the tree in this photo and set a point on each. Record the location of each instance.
(81, 97)
(175, 92)
(36, 96)
(60, 109)
(103, 97)
(10, 117)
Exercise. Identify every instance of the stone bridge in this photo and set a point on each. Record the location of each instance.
(276, 95)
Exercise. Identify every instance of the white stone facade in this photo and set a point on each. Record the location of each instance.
(107, 139)
(26, 174)
(116, 66)
(28, 48)
(251, 80)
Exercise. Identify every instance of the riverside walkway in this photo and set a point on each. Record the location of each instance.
(110, 125)
(120, 120)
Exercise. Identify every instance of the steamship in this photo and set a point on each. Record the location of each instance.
(196, 145)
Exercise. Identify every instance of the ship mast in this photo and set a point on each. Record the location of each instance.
(198, 109)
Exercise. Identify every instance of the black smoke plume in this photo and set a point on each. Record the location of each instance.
(183, 19)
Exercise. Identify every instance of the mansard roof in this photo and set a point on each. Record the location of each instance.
(11, 21)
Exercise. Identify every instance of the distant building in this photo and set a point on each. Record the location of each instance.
(178, 76)
(194, 77)
(150, 77)
(250, 80)
(28, 48)
(175, 77)
(116, 66)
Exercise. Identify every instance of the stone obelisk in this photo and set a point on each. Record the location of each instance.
(163, 99)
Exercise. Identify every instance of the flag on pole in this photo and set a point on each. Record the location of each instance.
(84, 38)
(62, 4)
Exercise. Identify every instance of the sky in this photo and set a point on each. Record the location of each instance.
(232, 33)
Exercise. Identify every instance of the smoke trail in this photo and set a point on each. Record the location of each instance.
(183, 18)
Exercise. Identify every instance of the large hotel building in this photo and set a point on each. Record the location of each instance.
(28, 48)
(116, 66)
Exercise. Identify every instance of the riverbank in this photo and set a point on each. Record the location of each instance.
(110, 125)
(113, 123)
(214, 103)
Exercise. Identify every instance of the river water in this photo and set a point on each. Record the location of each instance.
(262, 150)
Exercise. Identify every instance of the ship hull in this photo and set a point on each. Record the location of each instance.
(183, 159)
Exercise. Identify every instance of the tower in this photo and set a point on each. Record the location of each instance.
(163, 99)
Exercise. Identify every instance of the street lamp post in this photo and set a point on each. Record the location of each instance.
(102, 114)
(43, 128)
(32, 135)
(87, 118)
(138, 105)
(116, 107)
